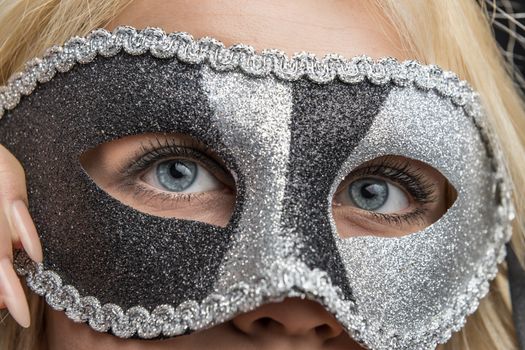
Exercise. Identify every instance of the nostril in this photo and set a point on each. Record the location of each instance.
(324, 331)
(292, 317)
(264, 321)
(268, 323)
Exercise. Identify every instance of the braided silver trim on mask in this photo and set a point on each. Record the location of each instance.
(182, 46)
(290, 278)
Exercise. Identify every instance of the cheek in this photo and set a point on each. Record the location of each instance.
(351, 222)
(64, 334)
(213, 208)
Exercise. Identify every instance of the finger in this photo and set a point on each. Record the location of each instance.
(13, 199)
(13, 294)
(22, 223)
(12, 183)
(12, 187)
(6, 247)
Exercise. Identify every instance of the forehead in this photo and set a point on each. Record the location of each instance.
(347, 27)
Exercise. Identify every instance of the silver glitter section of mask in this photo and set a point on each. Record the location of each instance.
(254, 117)
(413, 291)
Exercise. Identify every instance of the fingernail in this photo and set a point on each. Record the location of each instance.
(24, 226)
(13, 294)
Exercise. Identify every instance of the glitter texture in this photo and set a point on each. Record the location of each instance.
(423, 282)
(289, 129)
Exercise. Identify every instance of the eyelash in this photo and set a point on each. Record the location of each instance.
(163, 149)
(402, 173)
(398, 171)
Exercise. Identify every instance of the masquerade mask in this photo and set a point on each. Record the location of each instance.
(289, 130)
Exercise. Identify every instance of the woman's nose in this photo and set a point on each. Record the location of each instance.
(293, 317)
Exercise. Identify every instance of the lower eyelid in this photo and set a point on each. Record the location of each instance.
(405, 216)
(414, 217)
(360, 222)
(165, 201)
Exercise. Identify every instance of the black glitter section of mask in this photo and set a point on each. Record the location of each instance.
(96, 243)
(328, 121)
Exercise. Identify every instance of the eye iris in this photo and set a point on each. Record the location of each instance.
(369, 194)
(176, 175)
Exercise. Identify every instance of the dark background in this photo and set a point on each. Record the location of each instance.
(508, 21)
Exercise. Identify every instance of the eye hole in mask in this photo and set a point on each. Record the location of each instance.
(174, 175)
(391, 196)
(169, 175)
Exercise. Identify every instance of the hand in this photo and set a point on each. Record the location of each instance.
(17, 230)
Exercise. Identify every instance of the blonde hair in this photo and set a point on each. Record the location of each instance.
(453, 34)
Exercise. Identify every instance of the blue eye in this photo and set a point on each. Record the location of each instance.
(368, 193)
(176, 174)
(182, 176)
(373, 194)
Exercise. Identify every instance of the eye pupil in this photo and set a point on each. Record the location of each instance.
(176, 175)
(369, 193)
(179, 170)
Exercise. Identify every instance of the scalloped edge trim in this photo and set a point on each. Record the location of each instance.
(242, 57)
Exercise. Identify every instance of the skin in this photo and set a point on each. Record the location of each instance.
(347, 27)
